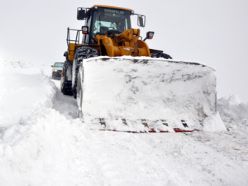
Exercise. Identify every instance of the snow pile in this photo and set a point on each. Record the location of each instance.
(24, 91)
(59, 151)
(214, 123)
(234, 113)
(53, 147)
(149, 88)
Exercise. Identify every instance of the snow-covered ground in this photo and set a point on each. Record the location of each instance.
(42, 142)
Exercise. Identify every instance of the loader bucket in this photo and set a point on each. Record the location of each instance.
(142, 94)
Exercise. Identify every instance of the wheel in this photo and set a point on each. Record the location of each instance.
(81, 53)
(66, 88)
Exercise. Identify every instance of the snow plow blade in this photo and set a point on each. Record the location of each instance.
(141, 94)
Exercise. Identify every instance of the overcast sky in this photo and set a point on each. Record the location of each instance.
(213, 32)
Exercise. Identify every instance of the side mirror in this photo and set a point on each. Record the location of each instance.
(149, 35)
(81, 14)
(85, 29)
(141, 20)
(52, 66)
(65, 54)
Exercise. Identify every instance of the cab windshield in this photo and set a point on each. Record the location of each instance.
(58, 64)
(110, 19)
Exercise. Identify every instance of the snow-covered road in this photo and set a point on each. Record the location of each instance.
(49, 145)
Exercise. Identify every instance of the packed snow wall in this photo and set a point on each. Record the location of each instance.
(24, 91)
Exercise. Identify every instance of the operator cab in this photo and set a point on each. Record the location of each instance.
(106, 20)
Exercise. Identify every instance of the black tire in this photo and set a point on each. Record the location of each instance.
(81, 53)
(66, 87)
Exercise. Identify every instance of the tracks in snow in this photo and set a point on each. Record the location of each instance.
(66, 105)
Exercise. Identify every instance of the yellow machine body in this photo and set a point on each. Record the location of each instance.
(127, 43)
(71, 50)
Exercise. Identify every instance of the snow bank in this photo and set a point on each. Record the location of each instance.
(24, 90)
(55, 148)
(234, 113)
(214, 123)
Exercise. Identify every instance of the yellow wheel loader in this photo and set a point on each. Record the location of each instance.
(122, 85)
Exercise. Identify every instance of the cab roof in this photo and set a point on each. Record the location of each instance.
(113, 7)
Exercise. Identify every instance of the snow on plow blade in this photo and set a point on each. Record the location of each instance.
(137, 95)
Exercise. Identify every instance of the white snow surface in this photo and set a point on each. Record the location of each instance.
(26, 88)
(44, 143)
(214, 123)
